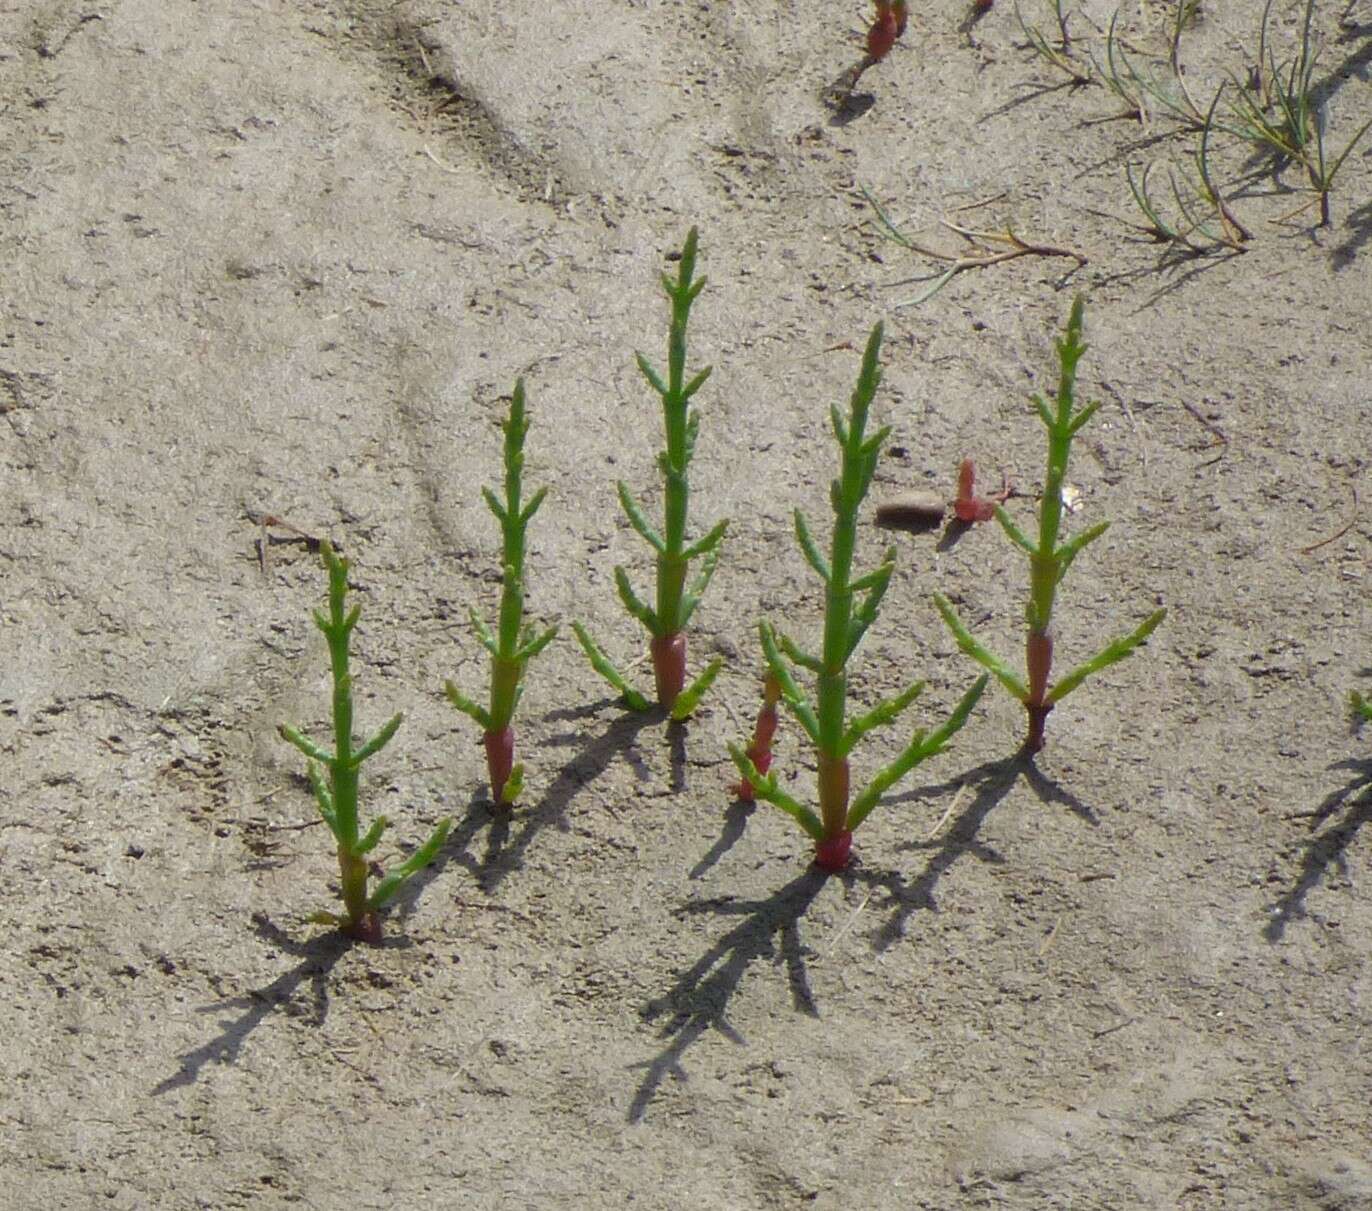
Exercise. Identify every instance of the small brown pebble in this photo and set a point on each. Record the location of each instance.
(912, 511)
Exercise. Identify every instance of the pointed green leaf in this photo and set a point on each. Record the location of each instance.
(690, 697)
(654, 379)
(765, 788)
(530, 647)
(1069, 550)
(879, 577)
(467, 706)
(483, 632)
(696, 383)
(871, 448)
(839, 424)
(798, 655)
(790, 692)
(1016, 534)
(809, 547)
(495, 506)
(639, 521)
(692, 597)
(380, 740)
(1045, 412)
(386, 889)
(634, 604)
(535, 503)
(1112, 654)
(368, 843)
(1082, 417)
(708, 543)
(305, 744)
(884, 712)
(601, 663)
(978, 653)
(323, 797)
(514, 784)
(920, 748)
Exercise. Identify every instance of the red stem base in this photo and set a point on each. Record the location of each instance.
(831, 855)
(499, 761)
(367, 930)
(669, 667)
(1038, 716)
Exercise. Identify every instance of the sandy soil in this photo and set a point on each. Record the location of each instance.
(290, 257)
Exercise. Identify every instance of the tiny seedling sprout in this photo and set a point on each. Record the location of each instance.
(676, 598)
(1049, 560)
(515, 644)
(759, 752)
(336, 794)
(850, 608)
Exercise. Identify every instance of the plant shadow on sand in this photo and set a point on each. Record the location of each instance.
(509, 834)
(1326, 849)
(318, 957)
(699, 998)
(991, 782)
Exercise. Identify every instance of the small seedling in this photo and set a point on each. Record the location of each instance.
(1278, 111)
(1012, 248)
(336, 795)
(1361, 707)
(514, 645)
(1137, 87)
(1049, 560)
(764, 731)
(922, 510)
(1057, 56)
(676, 600)
(846, 622)
(1206, 223)
(970, 508)
(888, 24)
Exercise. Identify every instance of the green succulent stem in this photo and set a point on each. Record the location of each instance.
(1049, 559)
(337, 794)
(513, 645)
(850, 607)
(676, 593)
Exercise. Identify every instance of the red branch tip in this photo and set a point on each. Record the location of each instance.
(968, 506)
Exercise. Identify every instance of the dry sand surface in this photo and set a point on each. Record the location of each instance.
(289, 257)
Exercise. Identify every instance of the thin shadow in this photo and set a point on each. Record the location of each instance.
(1033, 93)
(318, 957)
(1359, 223)
(1326, 849)
(699, 999)
(952, 534)
(512, 832)
(992, 782)
(1198, 264)
(735, 821)
(676, 742)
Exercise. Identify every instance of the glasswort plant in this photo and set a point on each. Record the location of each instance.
(846, 621)
(515, 644)
(337, 795)
(676, 601)
(1049, 560)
